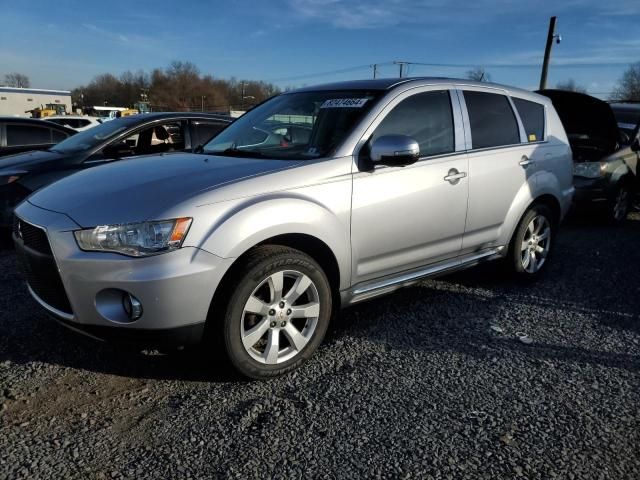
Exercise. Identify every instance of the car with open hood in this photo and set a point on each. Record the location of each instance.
(605, 160)
(317, 199)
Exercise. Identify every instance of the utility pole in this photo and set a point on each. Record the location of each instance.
(203, 97)
(402, 65)
(375, 70)
(547, 51)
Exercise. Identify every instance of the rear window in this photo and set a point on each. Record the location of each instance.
(532, 116)
(205, 131)
(21, 135)
(493, 123)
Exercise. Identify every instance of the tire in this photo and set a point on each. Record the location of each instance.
(532, 243)
(620, 204)
(267, 333)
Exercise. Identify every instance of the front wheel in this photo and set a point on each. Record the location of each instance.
(277, 313)
(532, 242)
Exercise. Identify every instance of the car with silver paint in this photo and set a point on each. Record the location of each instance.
(317, 199)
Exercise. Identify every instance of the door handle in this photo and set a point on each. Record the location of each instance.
(525, 161)
(454, 176)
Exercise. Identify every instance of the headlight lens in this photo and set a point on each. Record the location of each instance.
(589, 169)
(135, 239)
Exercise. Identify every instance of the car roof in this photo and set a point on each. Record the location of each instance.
(57, 117)
(631, 107)
(145, 117)
(387, 84)
(35, 121)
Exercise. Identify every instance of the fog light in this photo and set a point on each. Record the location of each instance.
(132, 306)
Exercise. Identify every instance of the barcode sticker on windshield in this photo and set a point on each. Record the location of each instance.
(344, 103)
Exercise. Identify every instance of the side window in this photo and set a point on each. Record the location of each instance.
(427, 118)
(532, 116)
(493, 123)
(205, 132)
(58, 136)
(20, 135)
(165, 137)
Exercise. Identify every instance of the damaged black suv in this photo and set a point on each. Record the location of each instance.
(605, 162)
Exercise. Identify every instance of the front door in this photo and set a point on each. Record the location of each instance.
(407, 217)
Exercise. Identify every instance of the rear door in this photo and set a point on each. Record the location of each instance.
(500, 163)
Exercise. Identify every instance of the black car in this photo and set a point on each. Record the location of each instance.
(19, 135)
(605, 161)
(150, 133)
(628, 118)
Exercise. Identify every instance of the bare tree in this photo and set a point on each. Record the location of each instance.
(571, 86)
(479, 74)
(180, 87)
(17, 80)
(629, 85)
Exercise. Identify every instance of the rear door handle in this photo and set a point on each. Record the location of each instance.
(525, 161)
(454, 176)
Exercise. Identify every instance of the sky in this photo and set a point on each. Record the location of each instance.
(64, 43)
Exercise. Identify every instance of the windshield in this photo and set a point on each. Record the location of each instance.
(295, 126)
(91, 138)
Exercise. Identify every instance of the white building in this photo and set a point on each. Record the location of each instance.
(17, 102)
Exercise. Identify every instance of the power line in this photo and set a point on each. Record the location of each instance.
(321, 74)
(405, 65)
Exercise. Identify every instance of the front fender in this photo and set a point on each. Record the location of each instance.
(254, 220)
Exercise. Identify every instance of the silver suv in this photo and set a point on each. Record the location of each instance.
(318, 198)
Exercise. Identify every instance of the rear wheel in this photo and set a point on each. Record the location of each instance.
(620, 205)
(532, 242)
(277, 313)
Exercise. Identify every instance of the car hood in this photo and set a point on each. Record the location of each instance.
(139, 189)
(584, 116)
(28, 161)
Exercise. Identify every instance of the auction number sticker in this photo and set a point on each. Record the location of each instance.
(344, 103)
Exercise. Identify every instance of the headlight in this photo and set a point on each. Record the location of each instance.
(589, 169)
(135, 239)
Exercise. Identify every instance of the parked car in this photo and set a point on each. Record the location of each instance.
(76, 122)
(628, 118)
(605, 169)
(24, 134)
(124, 137)
(250, 246)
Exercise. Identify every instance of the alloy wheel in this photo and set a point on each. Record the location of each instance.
(621, 205)
(536, 244)
(280, 317)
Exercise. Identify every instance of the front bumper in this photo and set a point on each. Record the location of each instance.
(175, 288)
(592, 189)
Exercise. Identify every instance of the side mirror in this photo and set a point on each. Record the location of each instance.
(635, 145)
(394, 150)
(117, 150)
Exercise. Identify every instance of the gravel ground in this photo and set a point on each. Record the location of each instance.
(413, 385)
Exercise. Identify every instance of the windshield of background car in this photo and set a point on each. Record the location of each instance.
(91, 138)
(296, 126)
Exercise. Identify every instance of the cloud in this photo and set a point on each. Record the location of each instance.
(366, 14)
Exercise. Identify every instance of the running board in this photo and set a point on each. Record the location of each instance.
(392, 283)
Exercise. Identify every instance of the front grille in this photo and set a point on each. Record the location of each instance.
(32, 236)
(39, 265)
